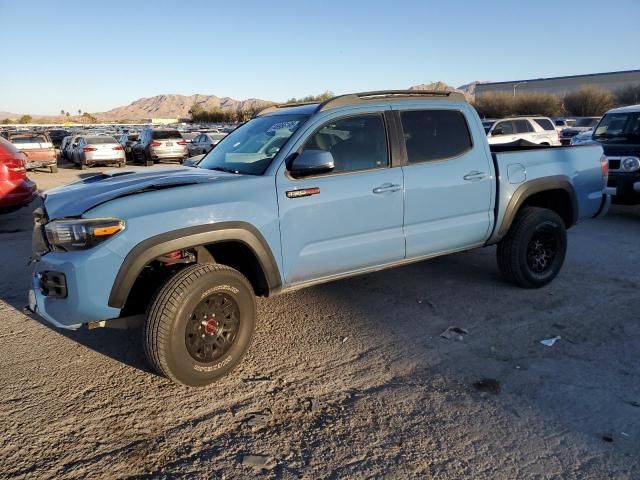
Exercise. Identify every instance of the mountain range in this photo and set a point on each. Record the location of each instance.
(178, 106)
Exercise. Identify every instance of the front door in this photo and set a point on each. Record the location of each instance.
(350, 218)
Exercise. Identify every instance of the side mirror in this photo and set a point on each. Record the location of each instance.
(311, 162)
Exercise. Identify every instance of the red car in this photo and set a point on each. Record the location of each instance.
(16, 190)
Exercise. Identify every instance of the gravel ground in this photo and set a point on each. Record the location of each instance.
(349, 379)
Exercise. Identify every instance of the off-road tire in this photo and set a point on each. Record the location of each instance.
(173, 308)
(514, 249)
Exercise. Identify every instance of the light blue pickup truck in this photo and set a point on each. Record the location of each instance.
(298, 196)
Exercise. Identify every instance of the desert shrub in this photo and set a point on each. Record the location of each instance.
(494, 105)
(629, 95)
(533, 103)
(588, 101)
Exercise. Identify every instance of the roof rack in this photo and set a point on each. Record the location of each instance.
(365, 97)
(273, 108)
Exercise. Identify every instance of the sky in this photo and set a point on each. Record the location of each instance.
(98, 55)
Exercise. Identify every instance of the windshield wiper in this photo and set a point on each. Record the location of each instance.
(224, 169)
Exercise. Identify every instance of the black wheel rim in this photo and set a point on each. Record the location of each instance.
(542, 249)
(212, 327)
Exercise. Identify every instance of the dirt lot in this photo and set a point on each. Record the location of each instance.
(350, 379)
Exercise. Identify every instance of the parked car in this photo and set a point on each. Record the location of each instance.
(56, 136)
(155, 145)
(66, 141)
(581, 125)
(487, 124)
(538, 130)
(16, 190)
(582, 138)
(296, 197)
(203, 143)
(619, 134)
(98, 149)
(38, 149)
(127, 140)
(562, 123)
(67, 152)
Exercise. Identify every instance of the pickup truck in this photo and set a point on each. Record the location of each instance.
(38, 149)
(297, 196)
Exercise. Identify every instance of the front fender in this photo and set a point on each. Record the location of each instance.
(147, 250)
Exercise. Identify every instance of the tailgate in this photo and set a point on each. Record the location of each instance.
(38, 151)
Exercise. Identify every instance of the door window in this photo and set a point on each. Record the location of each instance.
(503, 128)
(434, 134)
(356, 143)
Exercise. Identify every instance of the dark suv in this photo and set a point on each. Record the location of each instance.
(619, 134)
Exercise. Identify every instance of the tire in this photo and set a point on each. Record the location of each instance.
(533, 251)
(171, 334)
(121, 164)
(54, 168)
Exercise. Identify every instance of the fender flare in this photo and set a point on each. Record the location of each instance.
(532, 187)
(147, 250)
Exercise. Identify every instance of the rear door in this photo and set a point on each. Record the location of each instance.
(352, 217)
(449, 187)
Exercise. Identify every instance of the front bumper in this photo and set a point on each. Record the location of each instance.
(16, 193)
(625, 187)
(88, 275)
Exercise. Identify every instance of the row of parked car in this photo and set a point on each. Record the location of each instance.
(539, 130)
(149, 146)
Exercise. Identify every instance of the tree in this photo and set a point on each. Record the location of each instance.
(532, 103)
(588, 101)
(25, 119)
(494, 105)
(62, 112)
(326, 95)
(629, 95)
(79, 112)
(6, 121)
(67, 114)
(88, 118)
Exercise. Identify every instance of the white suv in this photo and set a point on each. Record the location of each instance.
(540, 130)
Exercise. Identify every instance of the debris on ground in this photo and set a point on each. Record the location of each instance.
(487, 385)
(454, 333)
(607, 438)
(344, 339)
(428, 302)
(257, 461)
(257, 419)
(550, 341)
(316, 405)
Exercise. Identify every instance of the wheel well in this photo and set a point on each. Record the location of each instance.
(233, 254)
(557, 200)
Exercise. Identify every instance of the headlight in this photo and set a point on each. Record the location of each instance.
(630, 164)
(81, 234)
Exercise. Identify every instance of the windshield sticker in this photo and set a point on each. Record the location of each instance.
(284, 125)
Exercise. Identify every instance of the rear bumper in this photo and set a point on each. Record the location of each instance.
(111, 159)
(162, 154)
(16, 193)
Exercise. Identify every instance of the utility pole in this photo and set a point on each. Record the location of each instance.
(516, 85)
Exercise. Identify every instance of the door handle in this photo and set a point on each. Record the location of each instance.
(474, 176)
(387, 187)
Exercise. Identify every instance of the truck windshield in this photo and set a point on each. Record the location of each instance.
(250, 148)
(619, 128)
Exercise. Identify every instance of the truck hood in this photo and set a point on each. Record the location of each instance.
(76, 198)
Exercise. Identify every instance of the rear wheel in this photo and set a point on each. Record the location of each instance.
(533, 251)
(54, 168)
(200, 324)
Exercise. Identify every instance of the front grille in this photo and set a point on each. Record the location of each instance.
(614, 164)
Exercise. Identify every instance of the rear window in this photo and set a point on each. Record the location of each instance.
(586, 122)
(30, 139)
(103, 139)
(522, 126)
(166, 134)
(545, 123)
(435, 134)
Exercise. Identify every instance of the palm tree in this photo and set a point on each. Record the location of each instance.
(62, 112)
(79, 112)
